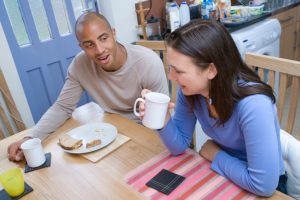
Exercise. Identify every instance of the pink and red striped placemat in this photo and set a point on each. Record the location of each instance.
(200, 183)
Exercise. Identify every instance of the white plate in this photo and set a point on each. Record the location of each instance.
(89, 132)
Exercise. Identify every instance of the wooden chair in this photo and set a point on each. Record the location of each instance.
(159, 47)
(268, 68)
(276, 72)
(290, 147)
(10, 118)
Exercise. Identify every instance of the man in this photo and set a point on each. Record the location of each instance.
(113, 74)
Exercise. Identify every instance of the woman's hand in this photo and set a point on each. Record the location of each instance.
(209, 150)
(142, 105)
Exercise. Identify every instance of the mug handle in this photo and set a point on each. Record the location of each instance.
(134, 107)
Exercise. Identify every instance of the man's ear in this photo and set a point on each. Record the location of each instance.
(114, 33)
(212, 71)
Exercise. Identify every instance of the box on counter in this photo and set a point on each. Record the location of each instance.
(256, 10)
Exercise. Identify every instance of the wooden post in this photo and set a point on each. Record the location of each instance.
(10, 103)
(6, 122)
(141, 14)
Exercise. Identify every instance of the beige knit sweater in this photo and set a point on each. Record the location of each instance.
(115, 91)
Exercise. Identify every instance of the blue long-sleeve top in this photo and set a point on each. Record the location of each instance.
(251, 153)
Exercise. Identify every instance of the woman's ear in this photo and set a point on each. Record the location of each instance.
(212, 71)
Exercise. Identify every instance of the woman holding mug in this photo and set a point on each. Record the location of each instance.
(234, 107)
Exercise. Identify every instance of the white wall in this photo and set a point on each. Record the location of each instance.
(122, 16)
(13, 81)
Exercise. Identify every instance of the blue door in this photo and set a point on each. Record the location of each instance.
(42, 41)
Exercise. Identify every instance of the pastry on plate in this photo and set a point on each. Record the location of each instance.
(93, 143)
(68, 142)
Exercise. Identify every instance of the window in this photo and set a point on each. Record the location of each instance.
(40, 19)
(61, 17)
(17, 21)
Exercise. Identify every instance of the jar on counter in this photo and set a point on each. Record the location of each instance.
(223, 7)
(239, 11)
(256, 10)
(153, 28)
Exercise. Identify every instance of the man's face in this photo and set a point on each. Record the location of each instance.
(99, 43)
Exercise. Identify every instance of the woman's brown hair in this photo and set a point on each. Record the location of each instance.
(210, 42)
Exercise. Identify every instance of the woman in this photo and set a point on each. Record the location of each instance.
(234, 107)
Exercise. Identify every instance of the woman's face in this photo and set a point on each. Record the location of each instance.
(189, 77)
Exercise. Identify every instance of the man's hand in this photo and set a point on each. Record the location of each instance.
(209, 150)
(142, 105)
(14, 150)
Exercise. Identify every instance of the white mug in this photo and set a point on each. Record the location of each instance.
(33, 152)
(156, 107)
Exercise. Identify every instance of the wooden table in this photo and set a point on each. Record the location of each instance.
(74, 177)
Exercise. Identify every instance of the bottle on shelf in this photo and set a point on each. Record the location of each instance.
(221, 4)
(184, 12)
(168, 3)
(206, 8)
(174, 17)
(204, 15)
(175, 2)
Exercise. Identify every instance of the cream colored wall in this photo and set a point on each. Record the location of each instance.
(13, 81)
(122, 16)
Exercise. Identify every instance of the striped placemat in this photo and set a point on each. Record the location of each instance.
(200, 183)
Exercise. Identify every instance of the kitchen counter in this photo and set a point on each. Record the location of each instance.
(281, 6)
(251, 20)
(269, 10)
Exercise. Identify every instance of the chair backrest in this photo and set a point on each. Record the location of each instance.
(283, 76)
(10, 119)
(160, 48)
(291, 155)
